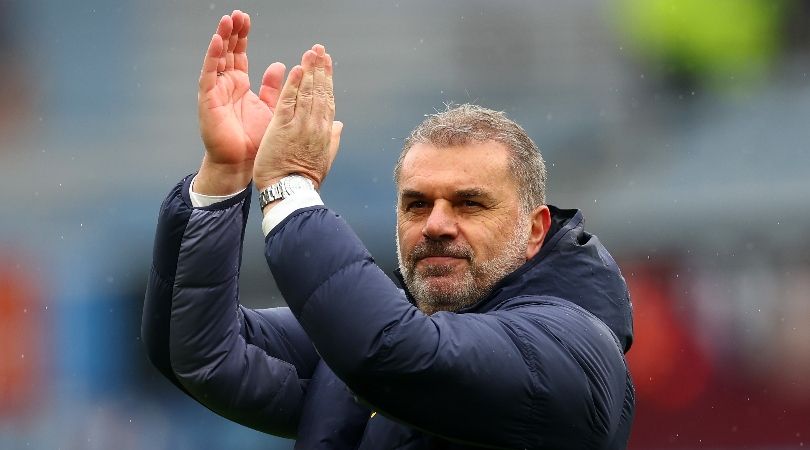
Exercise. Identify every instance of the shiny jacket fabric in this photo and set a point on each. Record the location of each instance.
(538, 364)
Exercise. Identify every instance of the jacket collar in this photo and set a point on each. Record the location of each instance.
(572, 265)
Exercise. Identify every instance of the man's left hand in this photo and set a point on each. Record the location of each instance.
(302, 137)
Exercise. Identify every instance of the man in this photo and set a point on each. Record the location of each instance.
(510, 331)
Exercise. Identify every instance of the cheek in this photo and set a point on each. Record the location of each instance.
(407, 236)
(485, 237)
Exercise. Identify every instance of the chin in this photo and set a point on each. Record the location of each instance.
(443, 285)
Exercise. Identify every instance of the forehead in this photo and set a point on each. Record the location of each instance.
(485, 164)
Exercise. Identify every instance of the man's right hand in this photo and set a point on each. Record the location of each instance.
(233, 119)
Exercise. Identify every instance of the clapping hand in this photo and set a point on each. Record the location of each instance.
(302, 137)
(233, 118)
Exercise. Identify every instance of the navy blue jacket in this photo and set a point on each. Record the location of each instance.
(538, 364)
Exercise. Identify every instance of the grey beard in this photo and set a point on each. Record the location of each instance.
(477, 281)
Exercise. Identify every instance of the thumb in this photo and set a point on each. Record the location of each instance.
(334, 141)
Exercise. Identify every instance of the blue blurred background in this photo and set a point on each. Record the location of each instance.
(680, 127)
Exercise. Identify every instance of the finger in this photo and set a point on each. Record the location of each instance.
(303, 106)
(240, 60)
(286, 106)
(330, 87)
(271, 84)
(236, 18)
(224, 31)
(320, 104)
(330, 90)
(208, 74)
(329, 67)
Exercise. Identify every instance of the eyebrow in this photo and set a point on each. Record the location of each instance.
(461, 193)
(472, 193)
(411, 193)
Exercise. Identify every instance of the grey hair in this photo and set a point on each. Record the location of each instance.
(466, 124)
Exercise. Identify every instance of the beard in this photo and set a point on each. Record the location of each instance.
(432, 287)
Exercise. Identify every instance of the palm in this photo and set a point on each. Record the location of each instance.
(232, 117)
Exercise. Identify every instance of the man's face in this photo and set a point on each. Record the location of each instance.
(460, 228)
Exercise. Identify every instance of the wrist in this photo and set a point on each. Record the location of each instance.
(222, 179)
(296, 197)
(286, 188)
(264, 181)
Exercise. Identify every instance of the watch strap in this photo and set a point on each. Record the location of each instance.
(284, 188)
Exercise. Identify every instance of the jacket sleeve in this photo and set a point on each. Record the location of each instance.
(250, 366)
(529, 377)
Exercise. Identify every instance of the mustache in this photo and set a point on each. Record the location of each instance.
(427, 249)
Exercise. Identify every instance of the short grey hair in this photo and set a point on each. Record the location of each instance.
(467, 124)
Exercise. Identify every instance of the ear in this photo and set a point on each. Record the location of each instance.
(541, 222)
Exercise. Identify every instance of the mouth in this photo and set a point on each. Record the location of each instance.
(441, 259)
(440, 264)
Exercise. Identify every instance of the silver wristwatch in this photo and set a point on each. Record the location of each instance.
(284, 188)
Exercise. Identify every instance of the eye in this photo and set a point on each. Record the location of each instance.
(416, 205)
(471, 204)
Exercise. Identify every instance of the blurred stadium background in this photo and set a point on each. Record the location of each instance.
(680, 127)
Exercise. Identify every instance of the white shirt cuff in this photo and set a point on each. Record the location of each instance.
(202, 200)
(288, 205)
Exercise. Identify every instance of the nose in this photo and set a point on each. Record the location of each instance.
(441, 223)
